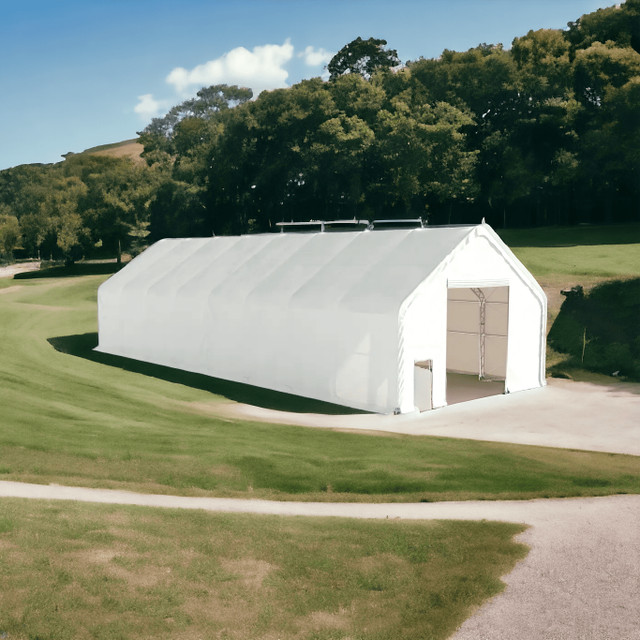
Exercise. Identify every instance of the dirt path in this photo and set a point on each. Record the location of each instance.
(579, 582)
(10, 270)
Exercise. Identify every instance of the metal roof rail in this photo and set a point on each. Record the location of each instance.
(346, 225)
(313, 226)
(310, 226)
(399, 223)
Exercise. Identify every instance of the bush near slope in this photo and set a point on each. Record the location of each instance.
(601, 330)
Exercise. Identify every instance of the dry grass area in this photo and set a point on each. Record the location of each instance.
(126, 149)
(554, 284)
(78, 571)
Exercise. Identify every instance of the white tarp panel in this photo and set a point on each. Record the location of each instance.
(483, 261)
(318, 315)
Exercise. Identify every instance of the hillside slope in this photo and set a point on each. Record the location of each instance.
(125, 149)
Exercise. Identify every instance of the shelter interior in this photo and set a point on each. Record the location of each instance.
(477, 336)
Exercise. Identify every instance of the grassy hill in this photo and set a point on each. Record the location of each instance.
(125, 149)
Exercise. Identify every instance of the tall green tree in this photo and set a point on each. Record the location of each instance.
(9, 233)
(364, 57)
(422, 161)
(62, 207)
(480, 80)
(166, 135)
(619, 24)
(116, 206)
(259, 172)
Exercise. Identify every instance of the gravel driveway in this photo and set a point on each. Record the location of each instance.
(573, 415)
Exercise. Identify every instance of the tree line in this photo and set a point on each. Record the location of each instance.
(544, 133)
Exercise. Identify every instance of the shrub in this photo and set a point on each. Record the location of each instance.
(601, 330)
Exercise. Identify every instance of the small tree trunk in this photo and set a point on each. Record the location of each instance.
(119, 253)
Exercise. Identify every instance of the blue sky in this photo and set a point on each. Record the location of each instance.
(80, 73)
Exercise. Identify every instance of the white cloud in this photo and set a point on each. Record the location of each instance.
(261, 68)
(316, 57)
(148, 107)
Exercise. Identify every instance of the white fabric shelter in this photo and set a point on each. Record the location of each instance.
(368, 319)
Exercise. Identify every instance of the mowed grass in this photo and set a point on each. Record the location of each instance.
(562, 257)
(70, 420)
(588, 251)
(73, 571)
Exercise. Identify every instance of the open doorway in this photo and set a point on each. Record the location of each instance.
(477, 334)
(423, 385)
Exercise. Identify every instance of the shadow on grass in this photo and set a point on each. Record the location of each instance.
(571, 368)
(73, 270)
(600, 329)
(82, 346)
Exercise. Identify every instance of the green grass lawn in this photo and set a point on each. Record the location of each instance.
(589, 251)
(75, 571)
(77, 420)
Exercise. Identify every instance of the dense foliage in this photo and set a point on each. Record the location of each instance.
(85, 205)
(545, 133)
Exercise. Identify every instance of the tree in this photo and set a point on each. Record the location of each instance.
(335, 164)
(364, 57)
(546, 132)
(354, 96)
(601, 68)
(619, 24)
(610, 151)
(9, 233)
(177, 210)
(116, 205)
(160, 134)
(420, 160)
(62, 208)
(258, 166)
(480, 79)
(543, 64)
(38, 237)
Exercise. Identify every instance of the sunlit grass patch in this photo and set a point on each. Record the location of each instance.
(72, 571)
(580, 251)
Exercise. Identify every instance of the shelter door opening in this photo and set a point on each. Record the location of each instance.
(477, 334)
(423, 385)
